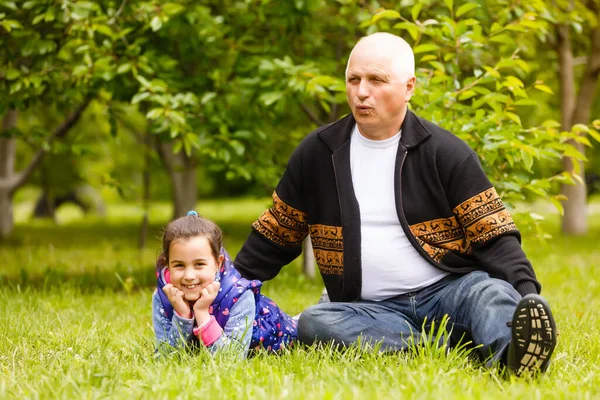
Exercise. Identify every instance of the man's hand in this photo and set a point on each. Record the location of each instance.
(180, 305)
(207, 296)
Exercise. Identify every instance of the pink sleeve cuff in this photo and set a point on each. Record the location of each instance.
(210, 331)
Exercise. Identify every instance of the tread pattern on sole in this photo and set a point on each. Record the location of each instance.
(534, 333)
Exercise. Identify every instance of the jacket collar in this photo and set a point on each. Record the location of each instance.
(339, 132)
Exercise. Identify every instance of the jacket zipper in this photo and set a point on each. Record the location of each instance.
(407, 231)
(337, 187)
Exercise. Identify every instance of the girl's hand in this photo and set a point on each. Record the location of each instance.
(207, 296)
(180, 305)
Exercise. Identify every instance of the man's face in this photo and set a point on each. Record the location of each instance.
(376, 94)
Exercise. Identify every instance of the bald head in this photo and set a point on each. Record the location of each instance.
(382, 45)
(380, 81)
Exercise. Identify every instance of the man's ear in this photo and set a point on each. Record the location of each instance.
(410, 87)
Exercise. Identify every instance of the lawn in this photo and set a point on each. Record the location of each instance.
(75, 323)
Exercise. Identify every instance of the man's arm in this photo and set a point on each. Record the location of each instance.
(493, 238)
(277, 236)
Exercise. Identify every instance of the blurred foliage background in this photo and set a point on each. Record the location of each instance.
(183, 101)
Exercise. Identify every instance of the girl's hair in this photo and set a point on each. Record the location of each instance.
(188, 227)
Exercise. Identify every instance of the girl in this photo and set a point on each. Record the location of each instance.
(201, 298)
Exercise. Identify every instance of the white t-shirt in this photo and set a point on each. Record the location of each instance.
(390, 264)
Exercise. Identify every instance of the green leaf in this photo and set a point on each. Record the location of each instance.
(103, 29)
(526, 102)
(537, 217)
(514, 117)
(12, 73)
(155, 113)
(513, 81)
(544, 88)
(449, 4)
(551, 124)
(139, 97)
(449, 56)
(429, 57)
(537, 190)
(156, 23)
(270, 97)
(80, 70)
(466, 95)
(492, 72)
(436, 64)
(208, 97)
(572, 152)
(243, 134)
(15, 87)
(123, 68)
(177, 145)
(187, 146)
(584, 140)
(413, 30)
(237, 147)
(37, 19)
(416, 10)
(558, 205)
(9, 4)
(143, 81)
(465, 8)
(594, 134)
(10, 24)
(527, 159)
(495, 27)
(580, 128)
(502, 39)
(172, 8)
(386, 14)
(505, 63)
(424, 48)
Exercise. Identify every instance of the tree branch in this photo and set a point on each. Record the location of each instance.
(313, 117)
(59, 133)
(119, 11)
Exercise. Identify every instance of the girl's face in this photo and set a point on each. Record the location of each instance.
(192, 265)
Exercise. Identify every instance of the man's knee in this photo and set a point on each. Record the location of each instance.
(493, 290)
(310, 324)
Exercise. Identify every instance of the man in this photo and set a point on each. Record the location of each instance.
(405, 227)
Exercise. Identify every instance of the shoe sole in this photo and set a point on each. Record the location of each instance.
(534, 332)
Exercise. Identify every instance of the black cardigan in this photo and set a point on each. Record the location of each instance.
(445, 203)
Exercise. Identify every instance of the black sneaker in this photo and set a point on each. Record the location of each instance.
(533, 336)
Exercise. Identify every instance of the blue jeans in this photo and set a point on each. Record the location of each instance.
(475, 303)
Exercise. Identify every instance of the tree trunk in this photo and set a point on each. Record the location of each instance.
(7, 172)
(573, 220)
(146, 192)
(11, 181)
(182, 172)
(309, 258)
(576, 110)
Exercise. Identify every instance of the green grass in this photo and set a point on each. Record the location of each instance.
(75, 323)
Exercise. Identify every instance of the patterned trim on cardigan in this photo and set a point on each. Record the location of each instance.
(484, 217)
(439, 236)
(282, 224)
(477, 220)
(328, 246)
